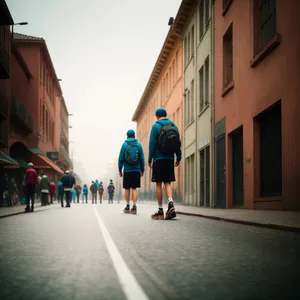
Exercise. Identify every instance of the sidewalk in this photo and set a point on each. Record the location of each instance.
(19, 209)
(282, 220)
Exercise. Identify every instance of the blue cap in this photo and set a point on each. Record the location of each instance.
(161, 112)
(130, 132)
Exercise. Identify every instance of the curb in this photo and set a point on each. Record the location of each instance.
(250, 223)
(22, 212)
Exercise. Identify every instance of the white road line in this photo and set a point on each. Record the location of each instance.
(131, 287)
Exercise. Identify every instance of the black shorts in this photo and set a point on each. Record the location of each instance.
(163, 170)
(131, 180)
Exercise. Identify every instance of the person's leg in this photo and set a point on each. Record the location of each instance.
(86, 198)
(127, 198)
(159, 195)
(134, 200)
(168, 188)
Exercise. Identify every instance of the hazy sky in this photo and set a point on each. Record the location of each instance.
(104, 52)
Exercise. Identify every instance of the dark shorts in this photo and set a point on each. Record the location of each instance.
(131, 180)
(163, 170)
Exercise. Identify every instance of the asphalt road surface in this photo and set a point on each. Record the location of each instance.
(93, 251)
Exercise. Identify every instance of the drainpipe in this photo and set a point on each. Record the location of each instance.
(212, 137)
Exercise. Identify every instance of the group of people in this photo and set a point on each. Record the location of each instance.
(164, 155)
(95, 188)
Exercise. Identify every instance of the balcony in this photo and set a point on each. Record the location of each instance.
(4, 62)
(3, 105)
(19, 116)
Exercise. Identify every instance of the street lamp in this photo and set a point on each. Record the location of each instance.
(12, 27)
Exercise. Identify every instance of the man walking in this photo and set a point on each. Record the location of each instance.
(60, 191)
(30, 183)
(131, 167)
(44, 186)
(111, 191)
(164, 143)
(93, 189)
(68, 182)
(52, 191)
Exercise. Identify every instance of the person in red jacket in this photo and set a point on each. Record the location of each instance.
(52, 191)
(30, 183)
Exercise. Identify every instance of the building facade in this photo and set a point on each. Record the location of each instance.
(5, 55)
(196, 31)
(164, 89)
(257, 46)
(64, 156)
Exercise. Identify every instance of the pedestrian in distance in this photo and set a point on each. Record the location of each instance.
(93, 189)
(60, 192)
(68, 182)
(164, 144)
(101, 191)
(111, 191)
(52, 191)
(131, 165)
(30, 185)
(44, 186)
(85, 192)
(73, 195)
(78, 192)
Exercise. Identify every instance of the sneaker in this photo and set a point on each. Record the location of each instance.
(133, 210)
(171, 213)
(158, 215)
(27, 209)
(68, 205)
(127, 209)
(32, 209)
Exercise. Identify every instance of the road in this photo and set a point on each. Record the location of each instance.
(97, 252)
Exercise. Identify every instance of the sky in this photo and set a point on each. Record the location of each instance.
(104, 52)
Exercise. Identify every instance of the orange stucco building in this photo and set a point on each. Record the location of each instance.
(164, 89)
(257, 47)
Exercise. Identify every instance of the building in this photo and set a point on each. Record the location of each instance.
(164, 89)
(64, 156)
(5, 54)
(194, 23)
(257, 46)
(35, 109)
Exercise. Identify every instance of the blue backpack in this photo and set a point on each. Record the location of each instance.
(168, 139)
(132, 154)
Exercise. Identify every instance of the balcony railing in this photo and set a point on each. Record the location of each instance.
(4, 99)
(20, 117)
(4, 62)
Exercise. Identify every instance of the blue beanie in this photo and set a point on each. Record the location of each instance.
(130, 132)
(161, 112)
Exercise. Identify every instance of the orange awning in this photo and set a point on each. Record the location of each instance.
(43, 162)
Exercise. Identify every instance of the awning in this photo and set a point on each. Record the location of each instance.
(22, 163)
(43, 162)
(37, 151)
(5, 159)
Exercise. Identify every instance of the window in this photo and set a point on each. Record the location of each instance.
(228, 57)
(167, 84)
(201, 19)
(201, 89)
(192, 102)
(206, 13)
(189, 46)
(267, 21)
(177, 64)
(174, 73)
(207, 81)
(185, 51)
(185, 108)
(192, 41)
(226, 5)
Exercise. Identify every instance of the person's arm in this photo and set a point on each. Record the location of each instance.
(178, 153)
(121, 160)
(142, 159)
(152, 143)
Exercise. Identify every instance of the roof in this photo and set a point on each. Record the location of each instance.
(23, 38)
(5, 16)
(19, 36)
(172, 36)
(6, 159)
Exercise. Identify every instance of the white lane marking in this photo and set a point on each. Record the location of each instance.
(131, 287)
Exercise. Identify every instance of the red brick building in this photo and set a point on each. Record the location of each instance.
(257, 71)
